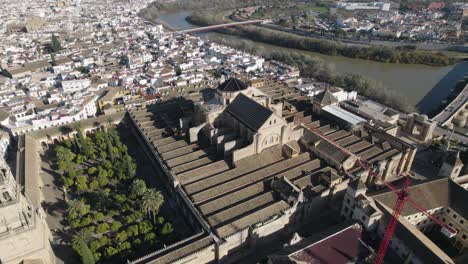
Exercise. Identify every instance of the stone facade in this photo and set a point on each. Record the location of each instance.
(419, 127)
(246, 171)
(24, 233)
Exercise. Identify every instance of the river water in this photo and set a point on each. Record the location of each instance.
(421, 85)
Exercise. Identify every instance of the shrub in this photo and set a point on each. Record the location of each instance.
(167, 229)
(137, 242)
(110, 251)
(150, 236)
(160, 220)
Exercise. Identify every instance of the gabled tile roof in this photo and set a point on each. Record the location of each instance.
(340, 244)
(232, 85)
(248, 112)
(326, 98)
(430, 195)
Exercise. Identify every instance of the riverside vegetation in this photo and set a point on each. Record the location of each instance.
(113, 215)
(313, 67)
(402, 54)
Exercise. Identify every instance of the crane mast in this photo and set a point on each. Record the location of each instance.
(403, 194)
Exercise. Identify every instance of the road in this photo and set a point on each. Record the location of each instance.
(446, 132)
(452, 108)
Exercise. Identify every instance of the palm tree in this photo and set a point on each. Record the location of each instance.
(138, 187)
(152, 201)
(80, 243)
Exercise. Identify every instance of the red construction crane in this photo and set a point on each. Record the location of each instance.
(403, 196)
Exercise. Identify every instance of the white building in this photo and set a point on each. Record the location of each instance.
(382, 6)
(70, 86)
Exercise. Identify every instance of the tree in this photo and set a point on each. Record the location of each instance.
(160, 220)
(150, 236)
(152, 201)
(109, 146)
(110, 251)
(92, 170)
(80, 243)
(167, 229)
(55, 45)
(94, 184)
(133, 230)
(121, 236)
(138, 187)
(102, 176)
(129, 164)
(66, 130)
(53, 62)
(102, 228)
(80, 159)
(98, 216)
(64, 154)
(81, 183)
(116, 225)
(77, 208)
(5, 73)
(145, 227)
(178, 71)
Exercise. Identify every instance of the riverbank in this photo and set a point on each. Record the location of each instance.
(312, 67)
(414, 81)
(283, 39)
(316, 68)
